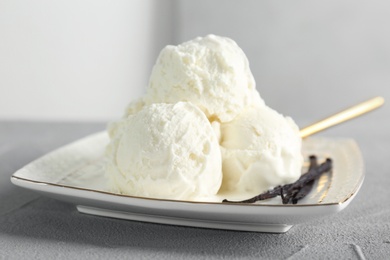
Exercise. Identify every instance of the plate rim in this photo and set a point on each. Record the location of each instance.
(21, 181)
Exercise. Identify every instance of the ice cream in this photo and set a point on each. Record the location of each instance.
(165, 151)
(202, 129)
(261, 149)
(211, 72)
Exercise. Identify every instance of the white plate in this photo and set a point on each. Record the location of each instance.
(75, 174)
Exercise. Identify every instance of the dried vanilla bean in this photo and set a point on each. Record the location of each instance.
(263, 196)
(309, 186)
(311, 175)
(297, 190)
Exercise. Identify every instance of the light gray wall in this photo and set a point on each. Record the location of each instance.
(85, 60)
(309, 58)
(77, 59)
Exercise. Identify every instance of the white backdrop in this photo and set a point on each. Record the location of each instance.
(85, 60)
(77, 59)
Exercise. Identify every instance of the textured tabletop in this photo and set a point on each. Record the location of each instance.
(33, 226)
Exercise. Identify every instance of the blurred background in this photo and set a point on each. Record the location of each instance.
(85, 60)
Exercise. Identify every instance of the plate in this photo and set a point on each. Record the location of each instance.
(75, 173)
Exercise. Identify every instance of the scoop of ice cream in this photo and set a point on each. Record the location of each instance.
(165, 151)
(211, 72)
(134, 106)
(260, 149)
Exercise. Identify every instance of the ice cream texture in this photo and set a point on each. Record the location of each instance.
(261, 149)
(166, 151)
(211, 72)
(202, 131)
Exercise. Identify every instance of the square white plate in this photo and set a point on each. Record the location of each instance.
(75, 173)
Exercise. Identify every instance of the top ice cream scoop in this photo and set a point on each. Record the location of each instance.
(211, 72)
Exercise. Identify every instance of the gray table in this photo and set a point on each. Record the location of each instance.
(33, 226)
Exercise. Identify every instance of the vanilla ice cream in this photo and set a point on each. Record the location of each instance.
(165, 151)
(200, 119)
(211, 72)
(261, 149)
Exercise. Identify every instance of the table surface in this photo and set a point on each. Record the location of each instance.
(34, 226)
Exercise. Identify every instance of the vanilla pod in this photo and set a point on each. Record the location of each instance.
(294, 191)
